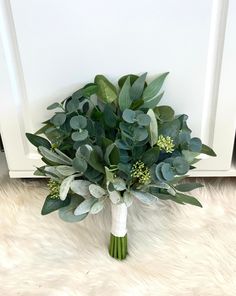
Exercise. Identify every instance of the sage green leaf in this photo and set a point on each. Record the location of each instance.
(85, 206)
(65, 187)
(58, 119)
(54, 106)
(129, 116)
(96, 191)
(52, 156)
(144, 197)
(79, 136)
(119, 184)
(181, 165)
(187, 199)
(63, 156)
(195, 145)
(188, 186)
(138, 87)
(67, 213)
(153, 128)
(114, 197)
(72, 105)
(112, 156)
(151, 156)
(77, 94)
(80, 187)
(152, 102)
(189, 155)
(143, 119)
(109, 116)
(65, 170)
(52, 204)
(154, 87)
(38, 141)
(78, 122)
(106, 90)
(128, 198)
(122, 80)
(167, 172)
(79, 164)
(89, 89)
(158, 172)
(207, 150)
(164, 113)
(140, 134)
(97, 207)
(124, 96)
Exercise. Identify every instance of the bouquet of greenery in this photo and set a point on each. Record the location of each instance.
(107, 143)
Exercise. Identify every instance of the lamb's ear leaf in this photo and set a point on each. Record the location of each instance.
(38, 141)
(187, 186)
(105, 89)
(52, 204)
(67, 213)
(207, 150)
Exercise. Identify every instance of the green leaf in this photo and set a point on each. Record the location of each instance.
(188, 186)
(89, 89)
(109, 116)
(65, 186)
(143, 120)
(65, 170)
(63, 156)
(151, 103)
(124, 96)
(85, 206)
(140, 134)
(195, 145)
(67, 213)
(80, 187)
(144, 197)
(79, 136)
(154, 87)
(54, 106)
(58, 119)
(207, 150)
(79, 164)
(97, 207)
(164, 113)
(122, 80)
(78, 122)
(38, 141)
(112, 156)
(158, 172)
(96, 191)
(167, 172)
(95, 162)
(151, 156)
(106, 90)
(181, 165)
(189, 155)
(52, 156)
(153, 128)
(72, 105)
(138, 87)
(129, 116)
(52, 204)
(187, 199)
(43, 129)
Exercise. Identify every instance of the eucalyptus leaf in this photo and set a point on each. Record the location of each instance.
(79, 136)
(78, 122)
(58, 119)
(54, 106)
(181, 165)
(129, 116)
(195, 145)
(167, 172)
(164, 113)
(143, 119)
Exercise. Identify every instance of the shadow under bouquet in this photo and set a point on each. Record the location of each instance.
(107, 143)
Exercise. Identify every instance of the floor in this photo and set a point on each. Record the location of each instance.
(174, 250)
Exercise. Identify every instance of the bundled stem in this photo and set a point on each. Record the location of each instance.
(118, 247)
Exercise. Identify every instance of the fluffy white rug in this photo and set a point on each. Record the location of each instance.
(174, 250)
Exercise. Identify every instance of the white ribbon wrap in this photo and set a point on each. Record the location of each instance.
(119, 219)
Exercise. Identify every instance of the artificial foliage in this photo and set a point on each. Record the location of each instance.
(115, 143)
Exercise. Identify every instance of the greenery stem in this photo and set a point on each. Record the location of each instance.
(118, 247)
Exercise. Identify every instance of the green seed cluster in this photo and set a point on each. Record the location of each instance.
(54, 188)
(165, 143)
(141, 172)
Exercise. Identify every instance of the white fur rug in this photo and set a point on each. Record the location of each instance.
(174, 250)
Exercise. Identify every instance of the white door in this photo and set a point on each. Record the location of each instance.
(49, 48)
